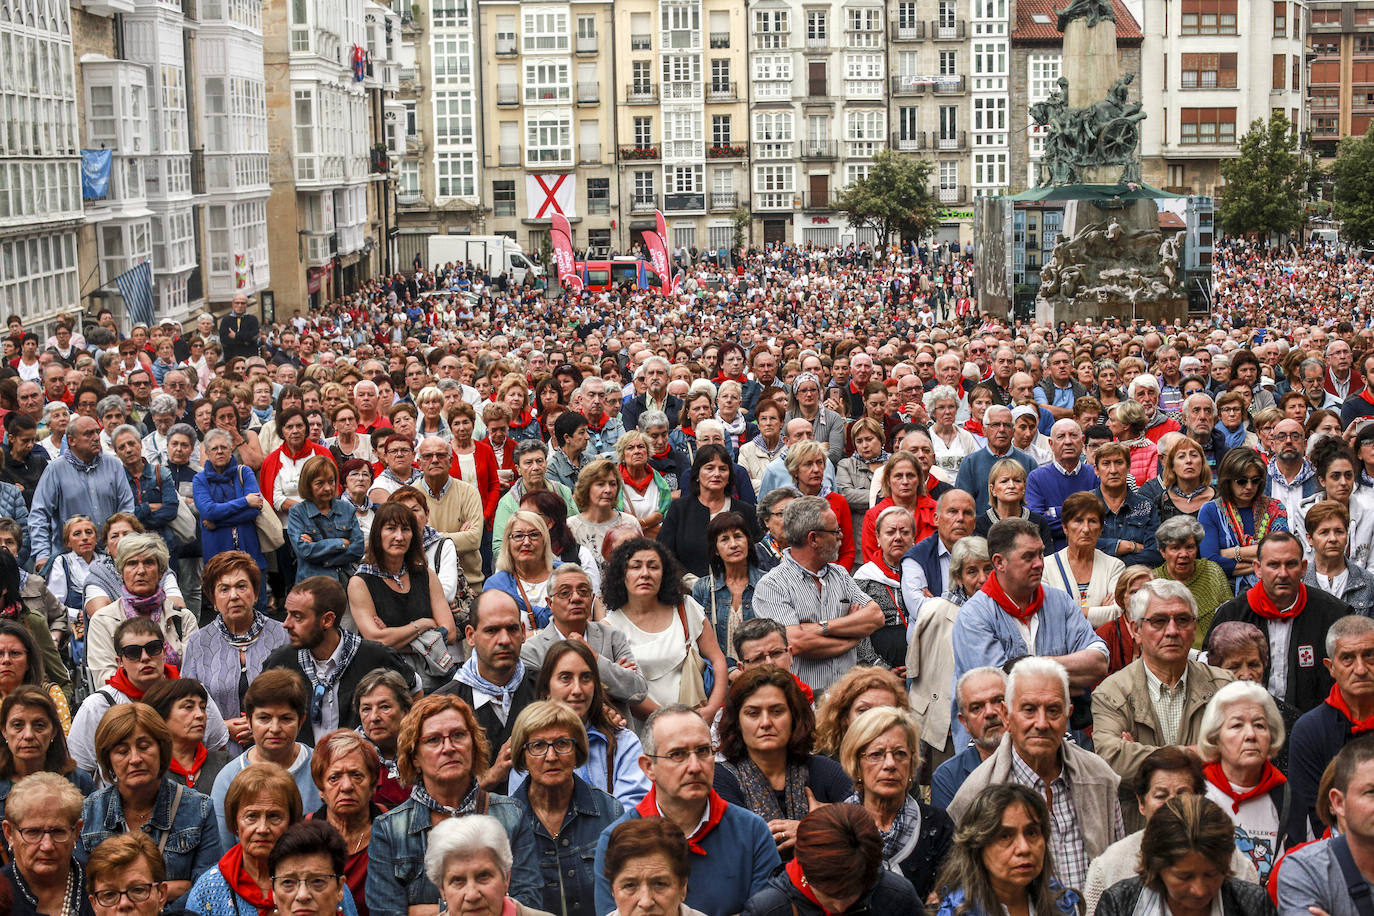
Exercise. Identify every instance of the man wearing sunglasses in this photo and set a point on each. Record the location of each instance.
(141, 652)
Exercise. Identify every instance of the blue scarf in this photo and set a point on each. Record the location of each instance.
(1233, 439)
(503, 696)
(263, 415)
(80, 465)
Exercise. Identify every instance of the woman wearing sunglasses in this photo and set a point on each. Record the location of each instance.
(1238, 519)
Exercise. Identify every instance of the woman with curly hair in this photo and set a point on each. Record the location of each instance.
(860, 690)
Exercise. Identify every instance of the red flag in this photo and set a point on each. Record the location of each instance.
(560, 235)
(658, 259)
(661, 226)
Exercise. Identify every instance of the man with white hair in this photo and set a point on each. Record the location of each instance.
(1158, 699)
(1144, 390)
(365, 399)
(655, 396)
(1050, 484)
(982, 711)
(604, 428)
(1085, 816)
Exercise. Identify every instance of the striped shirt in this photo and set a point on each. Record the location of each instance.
(792, 595)
(1168, 703)
(1066, 839)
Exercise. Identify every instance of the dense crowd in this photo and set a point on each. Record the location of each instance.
(804, 588)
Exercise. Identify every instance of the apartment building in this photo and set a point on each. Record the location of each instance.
(1037, 48)
(1340, 97)
(1208, 69)
(40, 166)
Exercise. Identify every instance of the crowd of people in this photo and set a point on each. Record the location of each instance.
(806, 588)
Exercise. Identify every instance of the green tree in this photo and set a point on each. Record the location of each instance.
(1354, 174)
(893, 199)
(1266, 184)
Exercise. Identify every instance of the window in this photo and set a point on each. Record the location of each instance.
(908, 122)
(865, 27)
(772, 126)
(453, 123)
(548, 137)
(644, 186)
(452, 59)
(989, 57)
(546, 30)
(720, 74)
(949, 122)
(719, 237)
(217, 220)
(1208, 17)
(641, 77)
(864, 131)
(817, 26)
(644, 132)
(722, 181)
(1208, 71)
(303, 119)
(599, 195)
(906, 15)
(38, 272)
(945, 14)
(990, 113)
(720, 130)
(949, 174)
(773, 67)
(863, 66)
(586, 33)
(1280, 71)
(503, 198)
(989, 169)
(410, 178)
(949, 63)
(1280, 18)
(684, 179)
(598, 240)
(682, 68)
(505, 34)
(775, 185)
(641, 26)
(547, 81)
(450, 14)
(771, 28)
(1199, 126)
(456, 174)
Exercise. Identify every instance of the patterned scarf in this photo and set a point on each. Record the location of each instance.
(1266, 512)
(349, 641)
(734, 428)
(759, 796)
(773, 452)
(372, 569)
(429, 537)
(80, 465)
(247, 639)
(502, 696)
(955, 595)
(901, 835)
(467, 806)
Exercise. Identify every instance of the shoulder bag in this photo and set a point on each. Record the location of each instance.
(271, 536)
(691, 689)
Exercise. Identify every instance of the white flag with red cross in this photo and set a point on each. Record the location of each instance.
(547, 194)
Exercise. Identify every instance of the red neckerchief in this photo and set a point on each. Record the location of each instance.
(663, 454)
(120, 681)
(638, 484)
(1368, 395)
(231, 867)
(1262, 604)
(974, 426)
(194, 770)
(1336, 700)
(805, 689)
(600, 424)
(722, 377)
(689, 431)
(993, 589)
(305, 450)
(798, 879)
(523, 420)
(648, 807)
(1270, 779)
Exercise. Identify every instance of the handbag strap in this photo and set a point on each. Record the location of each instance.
(529, 608)
(686, 633)
(1355, 883)
(172, 819)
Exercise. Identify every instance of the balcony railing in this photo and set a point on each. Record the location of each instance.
(724, 200)
(545, 157)
(950, 85)
(909, 85)
(589, 153)
(198, 170)
(952, 195)
(677, 203)
(681, 91)
(643, 203)
(817, 41)
(863, 89)
(588, 93)
(408, 198)
(727, 151)
(509, 155)
(585, 44)
(720, 40)
(640, 153)
(641, 92)
(506, 46)
(948, 32)
(910, 142)
(641, 42)
(722, 92)
(958, 140)
(823, 200)
(773, 149)
(507, 94)
(912, 32)
(819, 149)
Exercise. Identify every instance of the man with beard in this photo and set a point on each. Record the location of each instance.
(1291, 476)
(331, 658)
(981, 694)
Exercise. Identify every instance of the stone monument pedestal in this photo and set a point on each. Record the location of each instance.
(1093, 67)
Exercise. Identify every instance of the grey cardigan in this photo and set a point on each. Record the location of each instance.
(624, 685)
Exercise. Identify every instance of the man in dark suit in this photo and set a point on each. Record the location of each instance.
(655, 396)
(238, 331)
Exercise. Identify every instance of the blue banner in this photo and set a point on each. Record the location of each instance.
(95, 173)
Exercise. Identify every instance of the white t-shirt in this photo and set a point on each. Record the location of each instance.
(1257, 827)
(660, 655)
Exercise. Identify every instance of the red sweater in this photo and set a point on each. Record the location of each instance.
(487, 483)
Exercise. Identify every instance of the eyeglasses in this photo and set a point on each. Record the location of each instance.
(773, 656)
(561, 746)
(899, 756)
(1249, 481)
(34, 835)
(679, 755)
(135, 652)
(455, 737)
(584, 591)
(1289, 437)
(137, 893)
(832, 531)
(525, 536)
(1161, 621)
(291, 884)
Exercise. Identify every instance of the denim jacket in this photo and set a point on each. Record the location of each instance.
(324, 554)
(396, 857)
(567, 863)
(192, 846)
(717, 607)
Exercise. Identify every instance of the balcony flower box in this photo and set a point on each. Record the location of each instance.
(726, 151)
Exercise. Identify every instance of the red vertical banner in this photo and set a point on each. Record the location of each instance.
(560, 236)
(658, 260)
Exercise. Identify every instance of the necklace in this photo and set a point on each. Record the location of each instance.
(68, 907)
(1189, 497)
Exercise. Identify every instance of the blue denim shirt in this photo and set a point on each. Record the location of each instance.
(567, 863)
(396, 857)
(192, 846)
(324, 554)
(1136, 521)
(701, 591)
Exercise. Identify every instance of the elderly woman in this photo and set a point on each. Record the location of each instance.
(56, 416)
(1187, 480)
(228, 499)
(773, 539)
(570, 674)
(1007, 499)
(1327, 526)
(1167, 773)
(854, 473)
(129, 867)
(345, 768)
(1180, 539)
(882, 754)
(322, 528)
(309, 871)
(697, 406)
(431, 422)
(164, 412)
(134, 748)
(952, 444)
(228, 653)
(31, 741)
(729, 403)
(711, 491)
(806, 464)
(1243, 649)
(531, 461)
(881, 579)
(281, 470)
(183, 703)
(760, 451)
(41, 827)
(1241, 515)
(1241, 733)
(112, 414)
(1080, 569)
(442, 753)
(357, 480)
(646, 494)
(155, 494)
(827, 425)
(765, 745)
(469, 859)
(854, 694)
(383, 698)
(524, 569)
(647, 864)
(346, 442)
(1001, 860)
(243, 443)
(564, 814)
(838, 869)
(600, 499)
(666, 628)
(261, 803)
(141, 562)
(726, 592)
(1186, 866)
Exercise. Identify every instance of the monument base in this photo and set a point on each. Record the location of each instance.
(1111, 261)
(1094, 67)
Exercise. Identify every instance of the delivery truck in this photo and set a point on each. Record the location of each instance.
(496, 254)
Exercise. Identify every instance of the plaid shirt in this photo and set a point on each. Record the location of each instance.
(1066, 839)
(1168, 703)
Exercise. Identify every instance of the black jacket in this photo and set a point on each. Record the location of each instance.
(1238, 898)
(497, 732)
(892, 895)
(629, 414)
(245, 329)
(370, 656)
(25, 474)
(684, 530)
(1308, 680)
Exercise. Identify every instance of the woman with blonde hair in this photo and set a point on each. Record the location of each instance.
(645, 494)
(1186, 478)
(858, 691)
(524, 569)
(514, 395)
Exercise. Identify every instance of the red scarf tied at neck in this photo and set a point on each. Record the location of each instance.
(241, 883)
(648, 807)
(639, 484)
(1336, 700)
(121, 681)
(993, 589)
(798, 879)
(1262, 604)
(194, 770)
(1270, 779)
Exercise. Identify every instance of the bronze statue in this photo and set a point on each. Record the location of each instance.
(1094, 11)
